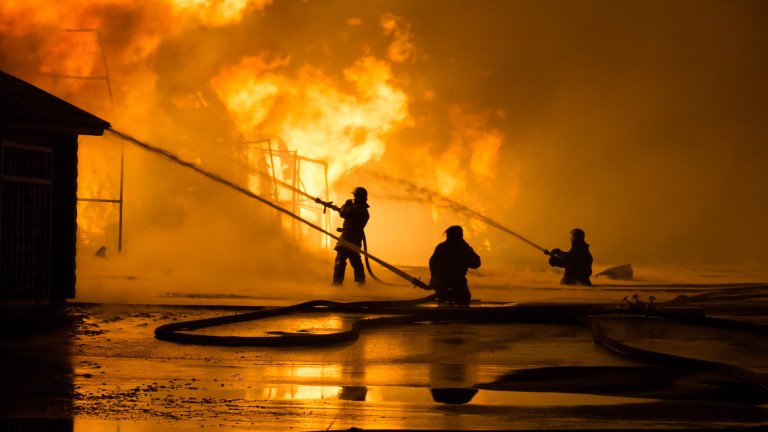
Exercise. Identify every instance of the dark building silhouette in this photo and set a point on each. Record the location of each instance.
(38, 191)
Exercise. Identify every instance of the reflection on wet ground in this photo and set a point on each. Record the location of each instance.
(104, 370)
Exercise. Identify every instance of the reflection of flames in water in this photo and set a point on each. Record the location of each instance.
(344, 121)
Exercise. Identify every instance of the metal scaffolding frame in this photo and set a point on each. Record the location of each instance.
(105, 77)
(284, 168)
(285, 180)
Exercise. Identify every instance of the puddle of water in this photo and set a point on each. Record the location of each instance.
(272, 401)
(90, 425)
(314, 323)
(387, 394)
(414, 395)
(377, 398)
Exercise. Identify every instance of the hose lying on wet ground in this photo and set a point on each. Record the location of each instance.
(653, 357)
(404, 312)
(398, 313)
(407, 311)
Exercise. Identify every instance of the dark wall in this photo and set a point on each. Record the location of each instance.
(64, 217)
(39, 222)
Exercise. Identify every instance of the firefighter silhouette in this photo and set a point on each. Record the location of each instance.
(355, 215)
(448, 267)
(577, 262)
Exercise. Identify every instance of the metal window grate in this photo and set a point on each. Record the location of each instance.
(25, 221)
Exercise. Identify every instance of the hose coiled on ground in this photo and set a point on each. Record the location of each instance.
(404, 312)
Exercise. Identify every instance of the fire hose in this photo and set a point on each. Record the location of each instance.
(405, 311)
(368, 266)
(413, 280)
(330, 205)
(456, 206)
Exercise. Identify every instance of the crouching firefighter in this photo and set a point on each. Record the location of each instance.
(355, 215)
(577, 262)
(448, 267)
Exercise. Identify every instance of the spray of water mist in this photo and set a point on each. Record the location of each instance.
(250, 194)
(428, 195)
(595, 124)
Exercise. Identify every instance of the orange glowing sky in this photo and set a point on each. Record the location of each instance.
(642, 122)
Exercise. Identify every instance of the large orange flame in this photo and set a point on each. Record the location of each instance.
(344, 120)
(312, 113)
(218, 13)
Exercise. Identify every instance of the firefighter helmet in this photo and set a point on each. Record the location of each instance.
(578, 234)
(360, 193)
(454, 233)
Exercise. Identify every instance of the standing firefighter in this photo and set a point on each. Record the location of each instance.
(448, 266)
(577, 261)
(355, 215)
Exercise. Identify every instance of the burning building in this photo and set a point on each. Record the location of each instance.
(456, 100)
(38, 191)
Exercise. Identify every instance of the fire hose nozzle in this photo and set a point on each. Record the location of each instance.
(326, 205)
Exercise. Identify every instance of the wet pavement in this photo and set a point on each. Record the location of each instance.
(103, 370)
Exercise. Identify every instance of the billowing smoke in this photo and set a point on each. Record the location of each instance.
(641, 123)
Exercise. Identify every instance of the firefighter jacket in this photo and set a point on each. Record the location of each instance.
(451, 260)
(355, 215)
(577, 263)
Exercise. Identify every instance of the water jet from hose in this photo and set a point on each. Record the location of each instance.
(245, 191)
(436, 198)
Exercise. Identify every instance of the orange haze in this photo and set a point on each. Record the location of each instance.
(642, 123)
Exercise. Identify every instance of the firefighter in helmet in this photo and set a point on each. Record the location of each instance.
(577, 262)
(355, 215)
(448, 267)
